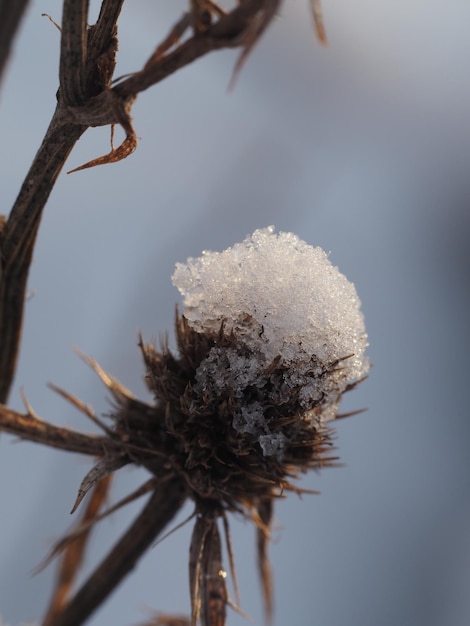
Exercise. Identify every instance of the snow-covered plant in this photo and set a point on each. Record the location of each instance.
(290, 336)
(270, 338)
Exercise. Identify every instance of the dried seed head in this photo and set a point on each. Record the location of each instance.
(271, 336)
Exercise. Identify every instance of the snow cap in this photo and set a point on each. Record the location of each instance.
(281, 297)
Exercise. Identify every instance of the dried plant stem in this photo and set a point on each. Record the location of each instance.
(86, 524)
(160, 509)
(31, 428)
(18, 237)
(74, 553)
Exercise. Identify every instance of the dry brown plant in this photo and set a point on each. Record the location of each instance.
(162, 437)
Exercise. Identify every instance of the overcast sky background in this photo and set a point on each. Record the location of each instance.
(362, 148)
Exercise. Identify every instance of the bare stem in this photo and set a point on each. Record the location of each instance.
(81, 77)
(18, 237)
(74, 552)
(31, 428)
(160, 509)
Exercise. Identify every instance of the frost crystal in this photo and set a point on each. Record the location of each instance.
(285, 303)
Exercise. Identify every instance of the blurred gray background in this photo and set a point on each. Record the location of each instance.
(362, 148)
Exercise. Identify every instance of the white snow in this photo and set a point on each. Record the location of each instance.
(281, 298)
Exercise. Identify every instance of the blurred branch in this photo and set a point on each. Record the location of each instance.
(17, 241)
(30, 428)
(11, 12)
(74, 552)
(160, 509)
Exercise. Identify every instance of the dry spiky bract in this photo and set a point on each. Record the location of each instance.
(272, 335)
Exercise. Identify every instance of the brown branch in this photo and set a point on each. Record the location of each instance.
(228, 32)
(18, 237)
(100, 35)
(85, 526)
(73, 51)
(31, 428)
(157, 513)
(11, 12)
(75, 552)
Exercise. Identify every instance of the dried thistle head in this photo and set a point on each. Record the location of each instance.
(270, 338)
